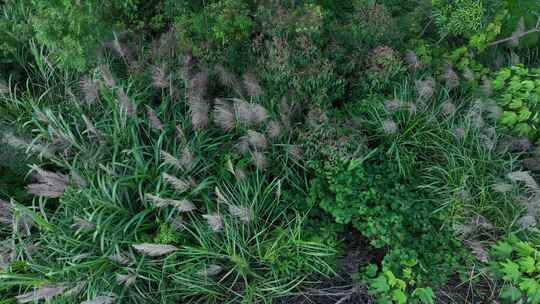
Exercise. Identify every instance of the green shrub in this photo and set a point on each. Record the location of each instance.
(217, 30)
(366, 191)
(373, 25)
(72, 30)
(517, 91)
(458, 17)
(387, 288)
(517, 264)
(384, 65)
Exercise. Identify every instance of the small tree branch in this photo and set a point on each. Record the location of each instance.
(518, 36)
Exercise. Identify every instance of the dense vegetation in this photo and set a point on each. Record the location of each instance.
(233, 151)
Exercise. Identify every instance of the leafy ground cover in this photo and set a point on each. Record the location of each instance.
(233, 151)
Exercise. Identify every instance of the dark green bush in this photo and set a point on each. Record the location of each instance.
(366, 190)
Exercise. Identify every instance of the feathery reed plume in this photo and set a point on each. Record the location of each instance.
(4, 88)
(188, 63)
(521, 144)
(242, 111)
(285, 112)
(531, 163)
(494, 112)
(171, 160)
(389, 127)
(294, 151)
(49, 184)
(199, 107)
(524, 177)
(188, 159)
(259, 114)
(160, 79)
(273, 129)
(242, 146)
(412, 108)
(256, 140)
(392, 105)
(180, 205)
(448, 108)
(76, 290)
(412, 60)
(7, 252)
(80, 257)
(157, 201)
(210, 270)
(82, 224)
(42, 117)
(154, 119)
(259, 160)
(165, 46)
(90, 89)
(224, 115)
(468, 74)
(527, 222)
(100, 300)
(253, 89)
(154, 250)
(517, 33)
(214, 221)
(242, 213)
(425, 88)
(227, 78)
(120, 259)
(107, 76)
(239, 173)
(91, 129)
(485, 88)
(6, 214)
(125, 103)
(475, 115)
(178, 223)
(181, 135)
(42, 293)
(249, 114)
(451, 77)
(18, 143)
(122, 50)
(126, 279)
(479, 251)
(180, 185)
(502, 187)
(221, 199)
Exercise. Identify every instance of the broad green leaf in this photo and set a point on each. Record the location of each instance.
(523, 129)
(379, 285)
(511, 293)
(524, 249)
(527, 264)
(511, 271)
(515, 104)
(391, 278)
(502, 250)
(530, 286)
(524, 114)
(509, 118)
(425, 295)
(527, 85)
(399, 296)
